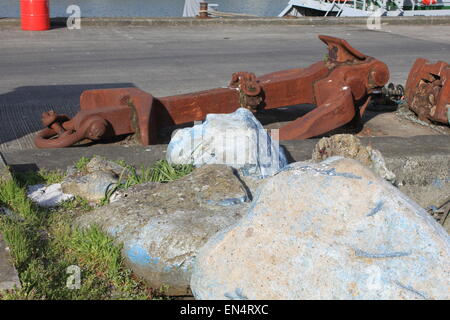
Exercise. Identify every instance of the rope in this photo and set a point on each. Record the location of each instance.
(404, 111)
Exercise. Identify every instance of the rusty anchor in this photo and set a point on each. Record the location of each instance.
(428, 91)
(340, 86)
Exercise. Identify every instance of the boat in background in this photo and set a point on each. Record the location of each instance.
(366, 8)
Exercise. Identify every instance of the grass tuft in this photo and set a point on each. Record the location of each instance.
(14, 196)
(81, 164)
(44, 243)
(40, 177)
(161, 171)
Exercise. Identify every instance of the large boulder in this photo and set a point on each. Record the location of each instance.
(331, 230)
(237, 139)
(162, 226)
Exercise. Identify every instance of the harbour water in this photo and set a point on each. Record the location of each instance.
(146, 8)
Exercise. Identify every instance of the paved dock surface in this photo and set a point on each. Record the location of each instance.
(49, 70)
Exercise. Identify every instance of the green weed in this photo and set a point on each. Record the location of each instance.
(161, 171)
(81, 164)
(40, 177)
(44, 243)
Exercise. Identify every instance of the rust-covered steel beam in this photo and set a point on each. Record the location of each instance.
(428, 91)
(340, 87)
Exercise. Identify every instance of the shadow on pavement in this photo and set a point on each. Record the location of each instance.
(21, 109)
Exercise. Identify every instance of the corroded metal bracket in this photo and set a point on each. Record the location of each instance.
(105, 113)
(428, 91)
(340, 87)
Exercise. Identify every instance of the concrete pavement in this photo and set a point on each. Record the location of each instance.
(49, 70)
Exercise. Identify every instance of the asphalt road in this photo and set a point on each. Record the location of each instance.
(49, 70)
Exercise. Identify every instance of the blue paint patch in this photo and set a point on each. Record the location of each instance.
(328, 172)
(167, 268)
(228, 202)
(174, 267)
(139, 255)
(411, 289)
(332, 172)
(231, 201)
(236, 295)
(437, 183)
(364, 254)
(432, 208)
(377, 208)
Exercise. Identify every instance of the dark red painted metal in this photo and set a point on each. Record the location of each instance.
(340, 87)
(428, 90)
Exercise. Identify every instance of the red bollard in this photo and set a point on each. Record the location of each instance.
(34, 15)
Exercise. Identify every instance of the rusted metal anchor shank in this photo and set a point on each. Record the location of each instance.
(340, 87)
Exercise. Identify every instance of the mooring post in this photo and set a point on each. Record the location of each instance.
(203, 12)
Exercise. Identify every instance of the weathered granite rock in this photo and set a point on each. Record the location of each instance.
(95, 180)
(162, 226)
(9, 278)
(330, 230)
(100, 164)
(414, 177)
(92, 187)
(47, 196)
(349, 146)
(139, 188)
(237, 139)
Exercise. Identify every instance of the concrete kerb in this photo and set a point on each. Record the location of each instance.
(8, 274)
(9, 278)
(298, 150)
(164, 22)
(420, 163)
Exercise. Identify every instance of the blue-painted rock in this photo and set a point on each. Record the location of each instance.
(329, 230)
(162, 225)
(237, 139)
